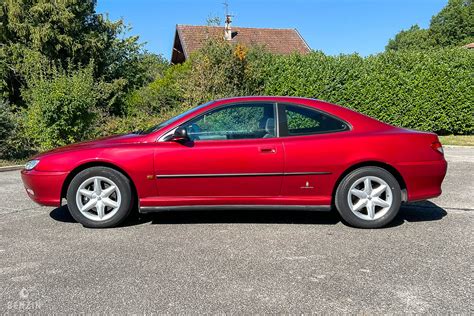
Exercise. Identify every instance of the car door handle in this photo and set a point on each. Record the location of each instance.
(267, 150)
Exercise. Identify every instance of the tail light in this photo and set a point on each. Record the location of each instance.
(438, 147)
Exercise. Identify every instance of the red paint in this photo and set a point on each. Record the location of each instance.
(369, 141)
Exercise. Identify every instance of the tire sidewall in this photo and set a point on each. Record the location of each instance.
(123, 185)
(342, 204)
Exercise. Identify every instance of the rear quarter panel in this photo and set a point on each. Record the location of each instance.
(421, 167)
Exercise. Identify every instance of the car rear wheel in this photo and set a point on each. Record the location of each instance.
(99, 197)
(368, 197)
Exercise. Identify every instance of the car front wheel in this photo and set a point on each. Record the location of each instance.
(368, 197)
(99, 197)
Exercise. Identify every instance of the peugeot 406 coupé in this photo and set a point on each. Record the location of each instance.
(247, 152)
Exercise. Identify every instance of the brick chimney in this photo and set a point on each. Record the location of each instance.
(228, 29)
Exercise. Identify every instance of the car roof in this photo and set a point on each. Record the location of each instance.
(265, 98)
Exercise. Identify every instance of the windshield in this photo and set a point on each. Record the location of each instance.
(174, 119)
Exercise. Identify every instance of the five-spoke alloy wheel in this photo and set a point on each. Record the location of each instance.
(99, 197)
(368, 197)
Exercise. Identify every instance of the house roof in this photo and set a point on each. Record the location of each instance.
(278, 41)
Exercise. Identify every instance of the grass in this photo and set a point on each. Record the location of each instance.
(459, 140)
(4, 163)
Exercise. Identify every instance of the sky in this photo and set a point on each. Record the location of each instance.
(332, 26)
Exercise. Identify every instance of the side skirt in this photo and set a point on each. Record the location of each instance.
(152, 209)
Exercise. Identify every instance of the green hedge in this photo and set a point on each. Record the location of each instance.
(431, 91)
(425, 90)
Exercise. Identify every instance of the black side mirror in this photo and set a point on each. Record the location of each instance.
(180, 135)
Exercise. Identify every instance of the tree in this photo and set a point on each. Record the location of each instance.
(452, 26)
(413, 38)
(36, 34)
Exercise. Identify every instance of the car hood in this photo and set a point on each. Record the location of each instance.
(97, 143)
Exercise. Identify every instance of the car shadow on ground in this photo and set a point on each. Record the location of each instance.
(412, 212)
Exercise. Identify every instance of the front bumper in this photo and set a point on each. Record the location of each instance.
(44, 187)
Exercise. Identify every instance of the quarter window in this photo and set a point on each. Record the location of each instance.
(237, 121)
(304, 121)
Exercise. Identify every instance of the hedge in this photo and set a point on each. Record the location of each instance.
(431, 91)
(425, 90)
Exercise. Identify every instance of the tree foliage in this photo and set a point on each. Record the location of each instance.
(413, 38)
(14, 143)
(452, 26)
(61, 108)
(70, 35)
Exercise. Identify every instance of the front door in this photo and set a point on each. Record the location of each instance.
(233, 152)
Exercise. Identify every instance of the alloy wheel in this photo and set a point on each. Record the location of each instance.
(98, 198)
(370, 198)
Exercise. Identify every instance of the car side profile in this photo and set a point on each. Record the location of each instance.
(245, 152)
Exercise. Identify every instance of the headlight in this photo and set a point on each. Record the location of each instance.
(31, 164)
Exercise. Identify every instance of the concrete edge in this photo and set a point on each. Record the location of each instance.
(458, 146)
(11, 168)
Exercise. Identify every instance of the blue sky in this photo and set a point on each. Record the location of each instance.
(333, 26)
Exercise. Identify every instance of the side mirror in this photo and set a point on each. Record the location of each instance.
(180, 135)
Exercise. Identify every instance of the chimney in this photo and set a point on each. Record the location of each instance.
(228, 29)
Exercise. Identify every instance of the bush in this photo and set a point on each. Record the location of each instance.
(218, 70)
(162, 94)
(430, 91)
(14, 144)
(113, 125)
(6, 121)
(221, 70)
(62, 107)
(425, 90)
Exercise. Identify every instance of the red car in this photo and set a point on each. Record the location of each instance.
(247, 152)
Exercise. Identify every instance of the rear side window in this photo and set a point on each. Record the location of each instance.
(299, 120)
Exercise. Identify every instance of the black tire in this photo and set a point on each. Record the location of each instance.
(124, 187)
(342, 196)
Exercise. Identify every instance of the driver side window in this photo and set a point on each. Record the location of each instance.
(237, 121)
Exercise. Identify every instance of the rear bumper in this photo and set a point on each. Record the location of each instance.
(44, 187)
(423, 179)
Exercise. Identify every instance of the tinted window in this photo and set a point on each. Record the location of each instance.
(237, 121)
(303, 121)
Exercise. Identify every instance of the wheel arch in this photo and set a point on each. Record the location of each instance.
(373, 163)
(90, 164)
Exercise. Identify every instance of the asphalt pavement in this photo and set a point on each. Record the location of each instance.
(241, 261)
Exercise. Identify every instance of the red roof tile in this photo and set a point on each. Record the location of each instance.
(278, 41)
